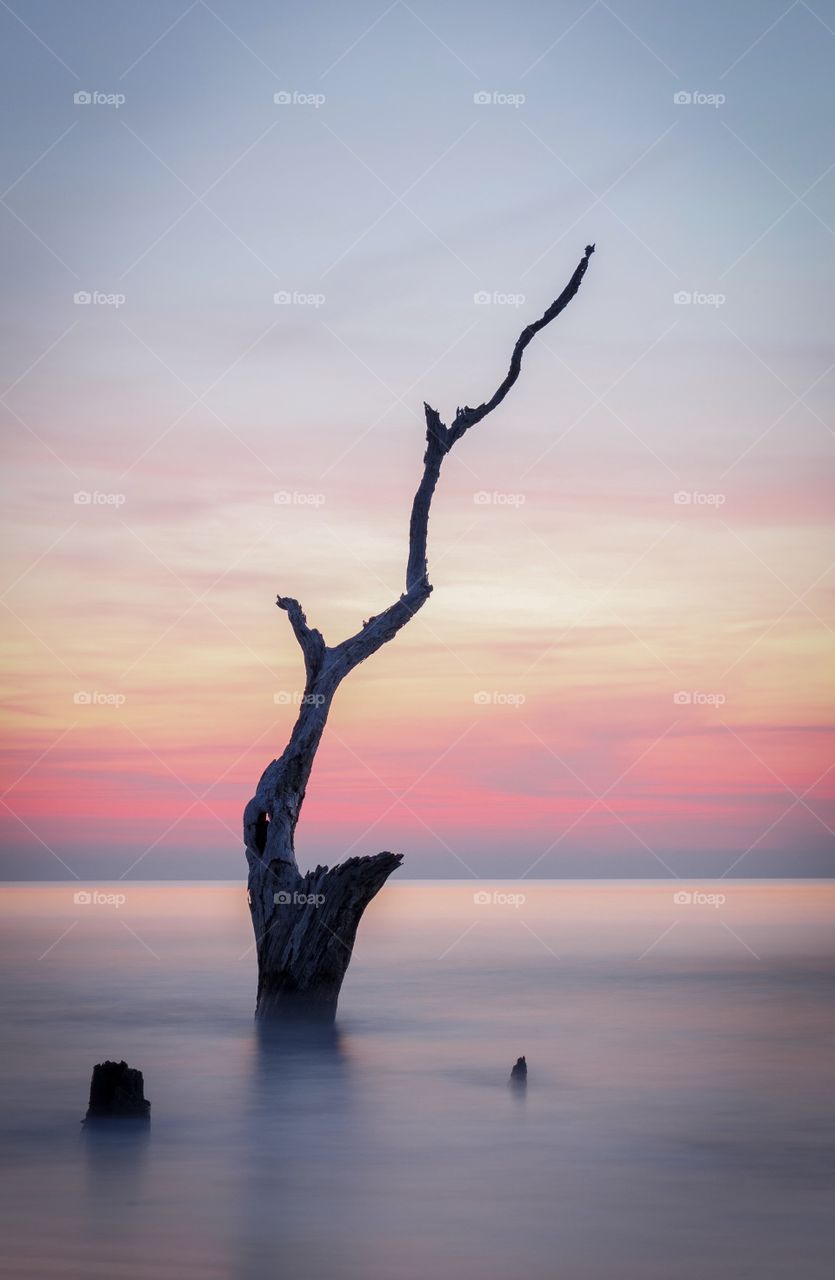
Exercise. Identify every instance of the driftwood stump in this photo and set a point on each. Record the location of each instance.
(117, 1092)
(519, 1074)
(305, 931)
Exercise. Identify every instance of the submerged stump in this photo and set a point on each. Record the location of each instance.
(519, 1074)
(117, 1092)
(305, 931)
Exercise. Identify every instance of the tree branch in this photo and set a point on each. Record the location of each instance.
(467, 417)
(439, 441)
(311, 641)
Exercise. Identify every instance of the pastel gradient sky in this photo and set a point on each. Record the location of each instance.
(527, 721)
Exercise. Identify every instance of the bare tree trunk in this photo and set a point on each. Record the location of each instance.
(305, 925)
(307, 945)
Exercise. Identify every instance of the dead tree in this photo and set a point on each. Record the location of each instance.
(305, 925)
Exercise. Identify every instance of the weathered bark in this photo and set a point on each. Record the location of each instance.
(307, 945)
(304, 945)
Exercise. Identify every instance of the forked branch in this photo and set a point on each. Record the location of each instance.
(311, 641)
(439, 440)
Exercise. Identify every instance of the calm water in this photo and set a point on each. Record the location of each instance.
(679, 1121)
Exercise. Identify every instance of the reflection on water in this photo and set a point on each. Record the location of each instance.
(677, 1122)
(115, 1175)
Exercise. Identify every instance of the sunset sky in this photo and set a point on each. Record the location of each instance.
(626, 665)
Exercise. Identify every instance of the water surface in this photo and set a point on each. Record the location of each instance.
(679, 1120)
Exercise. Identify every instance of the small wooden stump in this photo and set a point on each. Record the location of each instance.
(117, 1092)
(519, 1074)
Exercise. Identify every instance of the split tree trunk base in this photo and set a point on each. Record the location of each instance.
(305, 926)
